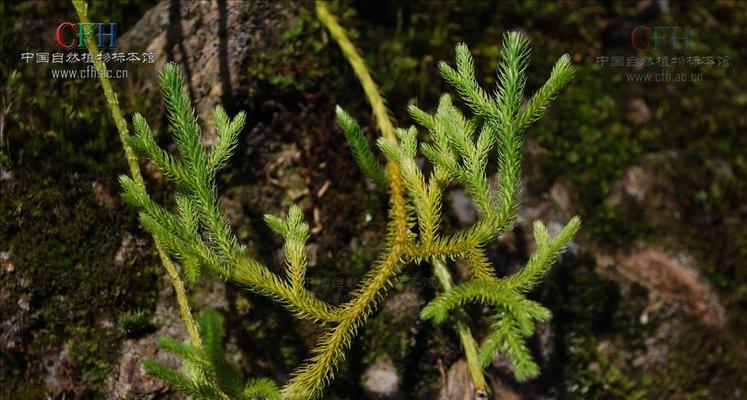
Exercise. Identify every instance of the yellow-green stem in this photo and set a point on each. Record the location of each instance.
(359, 66)
(334, 341)
(397, 196)
(465, 335)
(381, 114)
(81, 7)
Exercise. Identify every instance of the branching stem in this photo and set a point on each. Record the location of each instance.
(397, 198)
(199, 235)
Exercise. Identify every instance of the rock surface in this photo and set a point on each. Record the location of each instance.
(671, 279)
(194, 34)
(129, 380)
(381, 379)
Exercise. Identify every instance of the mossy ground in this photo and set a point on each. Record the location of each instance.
(62, 225)
(588, 139)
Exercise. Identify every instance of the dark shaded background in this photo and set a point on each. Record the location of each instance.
(648, 304)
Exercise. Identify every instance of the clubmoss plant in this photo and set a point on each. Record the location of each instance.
(503, 119)
(198, 235)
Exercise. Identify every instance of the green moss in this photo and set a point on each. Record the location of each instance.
(713, 371)
(591, 151)
(596, 376)
(603, 342)
(62, 226)
(385, 338)
(588, 313)
(133, 323)
(294, 65)
(77, 287)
